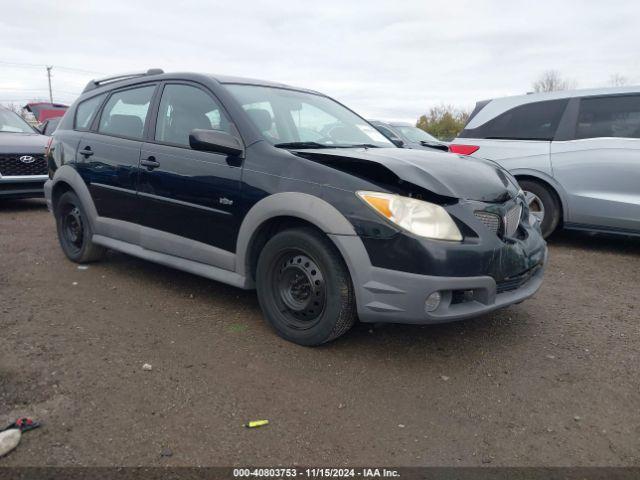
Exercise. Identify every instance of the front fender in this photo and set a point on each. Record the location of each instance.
(288, 204)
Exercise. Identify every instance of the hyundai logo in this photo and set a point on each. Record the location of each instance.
(27, 159)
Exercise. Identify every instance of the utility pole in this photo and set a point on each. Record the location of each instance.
(49, 78)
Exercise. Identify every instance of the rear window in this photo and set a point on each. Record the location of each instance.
(125, 112)
(617, 116)
(533, 121)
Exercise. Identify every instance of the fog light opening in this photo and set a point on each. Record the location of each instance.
(432, 302)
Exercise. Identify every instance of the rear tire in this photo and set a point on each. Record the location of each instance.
(74, 230)
(304, 287)
(543, 203)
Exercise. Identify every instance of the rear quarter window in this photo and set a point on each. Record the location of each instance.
(532, 121)
(86, 112)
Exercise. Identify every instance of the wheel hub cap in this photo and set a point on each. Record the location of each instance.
(73, 227)
(301, 287)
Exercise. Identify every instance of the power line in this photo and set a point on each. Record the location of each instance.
(9, 89)
(38, 65)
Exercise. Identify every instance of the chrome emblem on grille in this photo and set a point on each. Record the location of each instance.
(27, 159)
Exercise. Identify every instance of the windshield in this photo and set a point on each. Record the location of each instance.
(11, 122)
(416, 135)
(293, 119)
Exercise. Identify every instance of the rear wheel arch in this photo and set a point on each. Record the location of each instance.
(544, 202)
(553, 189)
(58, 190)
(66, 179)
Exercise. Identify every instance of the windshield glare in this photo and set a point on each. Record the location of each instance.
(415, 134)
(287, 116)
(12, 123)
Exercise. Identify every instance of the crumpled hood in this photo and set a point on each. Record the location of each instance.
(442, 173)
(33, 143)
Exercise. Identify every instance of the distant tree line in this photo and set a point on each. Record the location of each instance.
(444, 121)
(447, 121)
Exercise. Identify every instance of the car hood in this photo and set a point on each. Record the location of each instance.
(22, 143)
(444, 174)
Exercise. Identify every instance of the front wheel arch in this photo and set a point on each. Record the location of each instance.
(292, 207)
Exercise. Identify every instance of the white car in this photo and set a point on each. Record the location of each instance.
(576, 154)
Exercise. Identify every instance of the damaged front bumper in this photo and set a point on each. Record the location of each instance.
(410, 280)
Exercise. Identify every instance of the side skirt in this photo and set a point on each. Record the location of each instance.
(601, 229)
(197, 268)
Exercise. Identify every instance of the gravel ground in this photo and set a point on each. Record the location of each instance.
(552, 381)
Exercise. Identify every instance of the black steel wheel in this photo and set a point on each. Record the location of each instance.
(301, 289)
(304, 287)
(74, 230)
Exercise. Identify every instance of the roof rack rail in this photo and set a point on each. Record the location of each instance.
(93, 84)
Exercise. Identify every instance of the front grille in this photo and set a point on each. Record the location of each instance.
(10, 164)
(513, 283)
(491, 221)
(512, 220)
(506, 226)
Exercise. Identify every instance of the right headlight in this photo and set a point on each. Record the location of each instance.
(416, 216)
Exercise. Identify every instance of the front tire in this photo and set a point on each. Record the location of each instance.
(74, 230)
(543, 203)
(304, 287)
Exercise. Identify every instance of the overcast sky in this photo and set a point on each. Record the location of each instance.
(385, 59)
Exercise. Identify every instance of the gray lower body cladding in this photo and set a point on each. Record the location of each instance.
(392, 296)
(382, 295)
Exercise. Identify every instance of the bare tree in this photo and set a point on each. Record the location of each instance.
(617, 80)
(552, 81)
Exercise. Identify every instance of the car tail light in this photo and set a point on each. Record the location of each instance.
(463, 149)
(48, 147)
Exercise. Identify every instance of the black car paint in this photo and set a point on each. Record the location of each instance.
(184, 195)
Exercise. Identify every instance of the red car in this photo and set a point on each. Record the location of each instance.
(45, 110)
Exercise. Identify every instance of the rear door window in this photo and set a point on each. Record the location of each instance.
(125, 112)
(86, 112)
(532, 121)
(614, 116)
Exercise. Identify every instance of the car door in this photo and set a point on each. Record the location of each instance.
(188, 198)
(108, 157)
(599, 166)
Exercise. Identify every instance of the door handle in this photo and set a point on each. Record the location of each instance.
(150, 163)
(86, 152)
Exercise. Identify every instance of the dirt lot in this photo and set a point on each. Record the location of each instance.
(553, 381)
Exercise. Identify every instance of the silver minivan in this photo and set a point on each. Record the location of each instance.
(576, 154)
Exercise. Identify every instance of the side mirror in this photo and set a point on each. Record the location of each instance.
(397, 142)
(215, 141)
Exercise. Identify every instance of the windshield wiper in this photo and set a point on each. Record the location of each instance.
(302, 145)
(359, 145)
